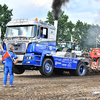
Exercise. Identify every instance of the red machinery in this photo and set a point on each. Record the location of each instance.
(95, 57)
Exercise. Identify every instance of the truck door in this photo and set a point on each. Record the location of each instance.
(42, 37)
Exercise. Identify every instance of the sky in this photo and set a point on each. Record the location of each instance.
(84, 10)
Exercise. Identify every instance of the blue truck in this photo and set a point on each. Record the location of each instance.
(36, 49)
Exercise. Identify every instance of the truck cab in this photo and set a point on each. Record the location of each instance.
(29, 45)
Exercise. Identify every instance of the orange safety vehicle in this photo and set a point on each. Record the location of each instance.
(95, 58)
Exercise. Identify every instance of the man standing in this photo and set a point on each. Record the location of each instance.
(42, 36)
(9, 65)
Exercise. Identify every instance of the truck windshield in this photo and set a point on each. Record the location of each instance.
(18, 31)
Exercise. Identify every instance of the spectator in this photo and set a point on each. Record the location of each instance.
(8, 67)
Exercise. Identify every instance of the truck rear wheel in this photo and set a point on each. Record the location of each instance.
(47, 67)
(81, 69)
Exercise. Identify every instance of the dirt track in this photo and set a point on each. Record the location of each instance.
(33, 86)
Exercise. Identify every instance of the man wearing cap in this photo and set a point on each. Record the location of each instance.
(9, 65)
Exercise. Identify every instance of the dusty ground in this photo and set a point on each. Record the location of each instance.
(33, 86)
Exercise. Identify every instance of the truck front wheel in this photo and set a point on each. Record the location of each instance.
(47, 67)
(81, 69)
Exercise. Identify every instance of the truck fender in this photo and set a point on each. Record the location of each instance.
(86, 61)
(46, 56)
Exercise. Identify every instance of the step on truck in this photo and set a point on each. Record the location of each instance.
(36, 50)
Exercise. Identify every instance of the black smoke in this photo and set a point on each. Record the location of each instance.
(56, 6)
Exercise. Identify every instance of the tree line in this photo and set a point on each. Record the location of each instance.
(84, 34)
(5, 17)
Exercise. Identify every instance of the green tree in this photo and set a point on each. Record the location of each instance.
(50, 18)
(5, 17)
(70, 29)
(81, 33)
(94, 36)
(64, 29)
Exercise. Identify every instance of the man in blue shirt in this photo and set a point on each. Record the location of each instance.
(9, 65)
(42, 36)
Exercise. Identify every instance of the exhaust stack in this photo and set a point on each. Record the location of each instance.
(56, 9)
(56, 24)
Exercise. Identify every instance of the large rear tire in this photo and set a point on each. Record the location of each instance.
(47, 67)
(81, 69)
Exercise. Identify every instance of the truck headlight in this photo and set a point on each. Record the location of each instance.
(29, 57)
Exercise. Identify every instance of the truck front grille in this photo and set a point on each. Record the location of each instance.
(19, 47)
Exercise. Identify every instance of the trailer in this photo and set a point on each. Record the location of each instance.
(39, 53)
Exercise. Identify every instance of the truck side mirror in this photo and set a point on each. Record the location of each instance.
(44, 31)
